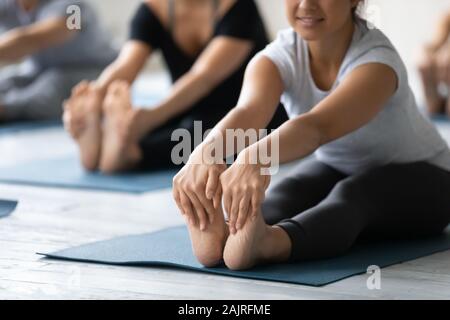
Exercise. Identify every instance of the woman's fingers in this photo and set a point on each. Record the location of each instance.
(212, 184)
(227, 201)
(187, 208)
(243, 211)
(199, 210)
(207, 204)
(257, 199)
(217, 201)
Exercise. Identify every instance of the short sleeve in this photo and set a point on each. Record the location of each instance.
(242, 21)
(383, 55)
(146, 27)
(283, 53)
(375, 47)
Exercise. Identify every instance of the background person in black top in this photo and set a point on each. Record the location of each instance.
(206, 45)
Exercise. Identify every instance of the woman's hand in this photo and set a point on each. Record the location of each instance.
(244, 188)
(197, 190)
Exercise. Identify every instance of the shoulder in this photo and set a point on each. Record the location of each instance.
(157, 9)
(373, 46)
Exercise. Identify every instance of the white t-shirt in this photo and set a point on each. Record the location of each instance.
(400, 133)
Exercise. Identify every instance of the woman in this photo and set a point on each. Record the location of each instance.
(59, 57)
(434, 67)
(380, 169)
(206, 45)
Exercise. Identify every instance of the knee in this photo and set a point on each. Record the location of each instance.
(346, 190)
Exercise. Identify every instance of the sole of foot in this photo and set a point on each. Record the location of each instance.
(117, 154)
(85, 113)
(208, 245)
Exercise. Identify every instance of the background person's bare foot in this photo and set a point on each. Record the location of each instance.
(118, 154)
(82, 117)
(256, 243)
(208, 245)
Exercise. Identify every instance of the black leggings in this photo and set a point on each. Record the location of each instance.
(325, 211)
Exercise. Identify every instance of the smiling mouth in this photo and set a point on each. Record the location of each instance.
(310, 21)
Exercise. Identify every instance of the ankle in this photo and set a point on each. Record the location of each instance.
(276, 246)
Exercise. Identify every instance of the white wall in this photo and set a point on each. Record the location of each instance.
(408, 23)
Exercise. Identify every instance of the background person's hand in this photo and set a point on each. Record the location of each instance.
(197, 190)
(244, 188)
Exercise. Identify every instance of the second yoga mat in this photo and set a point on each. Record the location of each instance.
(67, 173)
(7, 207)
(172, 248)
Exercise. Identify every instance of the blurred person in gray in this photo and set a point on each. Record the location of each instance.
(60, 42)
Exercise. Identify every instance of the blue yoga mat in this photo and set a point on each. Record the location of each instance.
(67, 173)
(172, 248)
(7, 207)
(441, 119)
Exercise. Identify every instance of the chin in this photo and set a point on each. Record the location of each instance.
(308, 35)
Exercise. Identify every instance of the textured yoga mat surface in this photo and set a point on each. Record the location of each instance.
(67, 173)
(172, 248)
(7, 207)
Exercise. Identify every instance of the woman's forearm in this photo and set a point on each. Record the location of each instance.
(116, 71)
(15, 46)
(185, 93)
(295, 139)
(234, 132)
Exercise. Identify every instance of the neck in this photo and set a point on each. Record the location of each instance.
(330, 51)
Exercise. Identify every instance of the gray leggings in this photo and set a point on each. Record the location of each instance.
(325, 211)
(39, 96)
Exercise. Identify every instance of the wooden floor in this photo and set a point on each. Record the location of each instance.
(52, 219)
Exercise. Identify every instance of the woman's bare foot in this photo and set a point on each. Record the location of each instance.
(82, 117)
(256, 243)
(118, 154)
(208, 245)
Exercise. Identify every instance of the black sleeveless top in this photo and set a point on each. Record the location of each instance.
(242, 21)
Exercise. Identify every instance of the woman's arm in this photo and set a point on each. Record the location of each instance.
(357, 100)
(221, 58)
(258, 102)
(21, 42)
(126, 67)
(196, 188)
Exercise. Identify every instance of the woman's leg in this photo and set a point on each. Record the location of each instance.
(403, 200)
(306, 186)
(258, 242)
